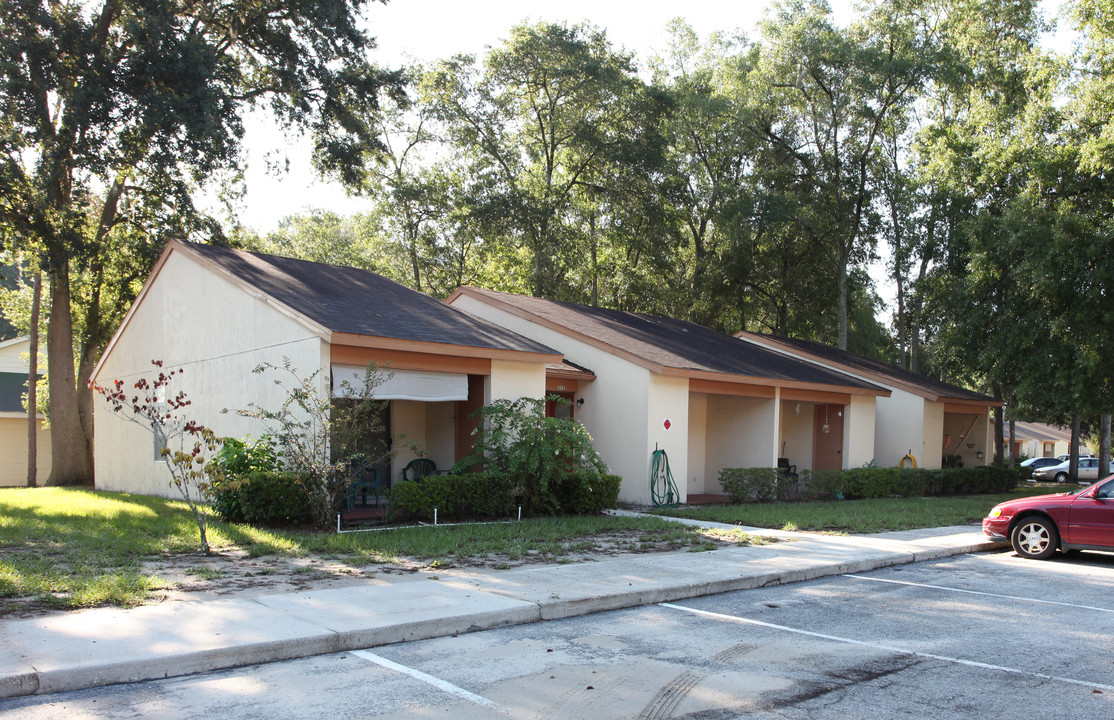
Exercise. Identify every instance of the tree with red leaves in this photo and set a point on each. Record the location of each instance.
(186, 445)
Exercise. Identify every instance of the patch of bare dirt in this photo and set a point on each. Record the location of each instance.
(234, 573)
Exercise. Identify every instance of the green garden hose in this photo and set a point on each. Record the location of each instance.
(663, 490)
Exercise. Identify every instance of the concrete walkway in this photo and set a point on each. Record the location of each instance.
(105, 646)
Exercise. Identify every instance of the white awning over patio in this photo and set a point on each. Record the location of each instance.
(403, 384)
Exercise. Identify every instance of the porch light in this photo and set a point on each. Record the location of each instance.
(826, 427)
(979, 455)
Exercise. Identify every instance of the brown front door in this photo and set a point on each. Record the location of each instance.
(827, 447)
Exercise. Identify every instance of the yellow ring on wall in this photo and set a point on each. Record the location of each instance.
(910, 458)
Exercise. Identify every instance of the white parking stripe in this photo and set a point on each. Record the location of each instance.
(984, 594)
(429, 679)
(887, 648)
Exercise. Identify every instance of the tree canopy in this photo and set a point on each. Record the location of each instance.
(742, 183)
(114, 114)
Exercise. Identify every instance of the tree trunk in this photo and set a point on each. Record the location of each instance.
(1104, 445)
(71, 460)
(1073, 458)
(592, 242)
(842, 303)
(1013, 443)
(33, 386)
(999, 437)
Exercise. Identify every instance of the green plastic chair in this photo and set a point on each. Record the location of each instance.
(418, 469)
(368, 480)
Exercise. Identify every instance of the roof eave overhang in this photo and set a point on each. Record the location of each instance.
(570, 375)
(434, 348)
(864, 373)
(954, 405)
(692, 373)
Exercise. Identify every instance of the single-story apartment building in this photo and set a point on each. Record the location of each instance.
(217, 313)
(928, 419)
(710, 401)
(1035, 439)
(14, 431)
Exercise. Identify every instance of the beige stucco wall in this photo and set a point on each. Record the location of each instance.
(698, 481)
(14, 358)
(510, 380)
(193, 319)
(13, 451)
(858, 431)
(615, 408)
(932, 453)
(742, 432)
(899, 429)
(668, 399)
(426, 426)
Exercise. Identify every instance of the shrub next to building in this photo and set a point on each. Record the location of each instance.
(768, 484)
(481, 495)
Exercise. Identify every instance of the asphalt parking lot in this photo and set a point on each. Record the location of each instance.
(987, 635)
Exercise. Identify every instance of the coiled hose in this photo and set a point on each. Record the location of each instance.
(663, 490)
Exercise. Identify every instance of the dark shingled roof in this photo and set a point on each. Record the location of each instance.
(853, 362)
(674, 343)
(360, 302)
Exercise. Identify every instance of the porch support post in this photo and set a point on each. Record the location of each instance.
(776, 434)
(858, 431)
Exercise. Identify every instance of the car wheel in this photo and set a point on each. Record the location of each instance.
(1061, 477)
(1035, 537)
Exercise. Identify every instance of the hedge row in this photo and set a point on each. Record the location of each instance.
(262, 498)
(478, 496)
(768, 484)
(277, 498)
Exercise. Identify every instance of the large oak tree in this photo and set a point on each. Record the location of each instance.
(113, 113)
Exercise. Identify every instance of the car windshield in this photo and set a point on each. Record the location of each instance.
(1106, 491)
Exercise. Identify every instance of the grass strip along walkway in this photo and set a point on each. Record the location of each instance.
(73, 548)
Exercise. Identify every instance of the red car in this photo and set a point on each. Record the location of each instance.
(1038, 526)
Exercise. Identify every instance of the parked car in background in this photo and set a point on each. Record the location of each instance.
(1088, 470)
(1034, 464)
(1065, 458)
(1038, 526)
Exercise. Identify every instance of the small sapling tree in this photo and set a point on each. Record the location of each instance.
(186, 445)
(327, 440)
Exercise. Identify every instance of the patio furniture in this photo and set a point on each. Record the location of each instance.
(368, 479)
(418, 469)
(785, 468)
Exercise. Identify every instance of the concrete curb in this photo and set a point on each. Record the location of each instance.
(96, 648)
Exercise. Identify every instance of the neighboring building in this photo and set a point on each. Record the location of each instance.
(1033, 439)
(926, 418)
(709, 400)
(217, 314)
(13, 418)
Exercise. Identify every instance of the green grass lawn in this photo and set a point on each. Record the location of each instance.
(862, 516)
(75, 548)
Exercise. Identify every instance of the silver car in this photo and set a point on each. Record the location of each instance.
(1088, 470)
